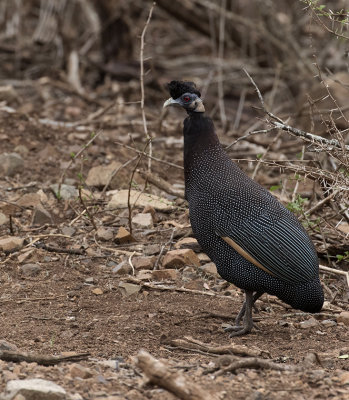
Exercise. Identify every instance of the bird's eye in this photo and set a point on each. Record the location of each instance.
(186, 98)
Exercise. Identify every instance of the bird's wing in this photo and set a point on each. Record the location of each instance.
(279, 246)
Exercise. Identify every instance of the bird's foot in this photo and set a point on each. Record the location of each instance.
(237, 329)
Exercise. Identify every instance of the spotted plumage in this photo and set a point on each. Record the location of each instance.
(255, 242)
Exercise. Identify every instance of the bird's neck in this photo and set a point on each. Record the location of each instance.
(199, 136)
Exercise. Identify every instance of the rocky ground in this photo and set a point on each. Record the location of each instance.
(76, 282)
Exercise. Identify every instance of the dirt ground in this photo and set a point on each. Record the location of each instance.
(74, 303)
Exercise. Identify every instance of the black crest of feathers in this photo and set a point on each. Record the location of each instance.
(177, 88)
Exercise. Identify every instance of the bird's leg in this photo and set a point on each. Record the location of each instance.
(246, 312)
(256, 296)
(248, 322)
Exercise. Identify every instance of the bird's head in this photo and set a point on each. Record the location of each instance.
(185, 94)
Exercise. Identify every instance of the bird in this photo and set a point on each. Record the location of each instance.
(256, 243)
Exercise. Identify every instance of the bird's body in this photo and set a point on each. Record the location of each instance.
(255, 242)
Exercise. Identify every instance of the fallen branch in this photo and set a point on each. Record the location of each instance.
(162, 184)
(335, 271)
(175, 382)
(189, 343)
(231, 364)
(17, 356)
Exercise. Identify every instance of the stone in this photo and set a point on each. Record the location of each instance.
(11, 164)
(344, 318)
(29, 200)
(41, 216)
(143, 220)
(188, 243)
(11, 244)
(328, 323)
(123, 236)
(129, 289)
(139, 199)
(68, 230)
(30, 269)
(8, 94)
(344, 378)
(3, 219)
(104, 234)
(67, 192)
(21, 149)
(209, 269)
(78, 371)
(180, 258)
(146, 274)
(100, 175)
(4, 345)
(151, 249)
(34, 389)
(194, 285)
(309, 323)
(123, 268)
(204, 258)
(97, 291)
(165, 274)
(144, 262)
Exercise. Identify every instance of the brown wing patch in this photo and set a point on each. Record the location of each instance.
(244, 254)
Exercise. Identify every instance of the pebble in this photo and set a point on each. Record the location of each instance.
(180, 258)
(11, 244)
(41, 216)
(30, 269)
(120, 200)
(123, 268)
(128, 289)
(143, 220)
(34, 389)
(144, 262)
(29, 200)
(344, 318)
(67, 192)
(3, 219)
(309, 323)
(328, 323)
(209, 269)
(105, 234)
(78, 371)
(100, 175)
(165, 274)
(11, 164)
(123, 236)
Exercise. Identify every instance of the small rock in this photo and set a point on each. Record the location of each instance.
(194, 285)
(11, 244)
(3, 219)
(151, 249)
(128, 289)
(11, 163)
(143, 220)
(104, 234)
(328, 323)
(67, 192)
(344, 378)
(68, 230)
(309, 323)
(123, 236)
(41, 216)
(97, 291)
(209, 269)
(30, 269)
(188, 243)
(123, 268)
(35, 389)
(29, 200)
(144, 262)
(120, 200)
(90, 280)
(21, 149)
(8, 94)
(204, 258)
(100, 175)
(344, 318)
(4, 345)
(145, 274)
(165, 274)
(78, 371)
(180, 258)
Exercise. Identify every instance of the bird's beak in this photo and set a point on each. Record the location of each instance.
(170, 102)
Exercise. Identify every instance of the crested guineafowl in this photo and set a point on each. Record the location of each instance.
(255, 242)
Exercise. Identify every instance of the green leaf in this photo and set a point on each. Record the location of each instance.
(275, 187)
